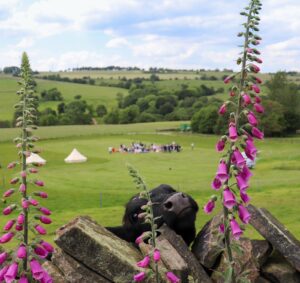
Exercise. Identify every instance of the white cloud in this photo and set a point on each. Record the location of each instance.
(117, 42)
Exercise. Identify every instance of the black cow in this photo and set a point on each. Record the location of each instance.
(178, 210)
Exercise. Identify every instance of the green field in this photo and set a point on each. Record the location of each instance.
(75, 189)
(94, 95)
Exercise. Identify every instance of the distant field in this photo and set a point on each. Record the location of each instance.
(92, 94)
(75, 189)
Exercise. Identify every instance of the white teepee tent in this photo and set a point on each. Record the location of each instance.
(35, 158)
(75, 157)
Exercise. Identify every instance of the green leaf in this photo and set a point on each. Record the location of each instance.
(228, 275)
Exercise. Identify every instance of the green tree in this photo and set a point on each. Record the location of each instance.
(101, 110)
(129, 114)
(205, 119)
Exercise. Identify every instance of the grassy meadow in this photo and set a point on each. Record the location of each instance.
(75, 189)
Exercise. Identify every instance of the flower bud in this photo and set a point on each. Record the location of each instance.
(19, 227)
(39, 183)
(11, 165)
(33, 202)
(8, 193)
(23, 174)
(33, 170)
(209, 207)
(144, 263)
(14, 180)
(48, 247)
(8, 210)
(9, 224)
(41, 194)
(45, 210)
(44, 219)
(222, 109)
(41, 230)
(156, 255)
(22, 252)
(21, 218)
(40, 251)
(6, 237)
(25, 203)
(3, 257)
(22, 188)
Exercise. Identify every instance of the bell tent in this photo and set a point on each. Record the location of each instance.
(35, 158)
(75, 157)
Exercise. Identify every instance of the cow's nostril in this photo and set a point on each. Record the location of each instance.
(168, 205)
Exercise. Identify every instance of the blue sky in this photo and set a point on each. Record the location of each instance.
(61, 34)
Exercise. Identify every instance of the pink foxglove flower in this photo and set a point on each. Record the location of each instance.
(139, 277)
(45, 219)
(254, 68)
(3, 272)
(139, 240)
(23, 174)
(8, 193)
(172, 277)
(255, 88)
(22, 252)
(246, 173)
(245, 198)
(46, 278)
(41, 194)
(156, 255)
(40, 251)
(41, 230)
(235, 229)
(227, 80)
(216, 183)
(220, 145)
(33, 202)
(23, 279)
(45, 210)
(244, 214)
(228, 198)
(19, 227)
(222, 109)
(251, 118)
(48, 247)
(258, 80)
(222, 173)
(3, 257)
(247, 99)
(241, 183)
(39, 183)
(14, 180)
(222, 228)
(259, 108)
(250, 149)
(25, 203)
(209, 207)
(257, 99)
(9, 224)
(232, 132)
(11, 273)
(8, 210)
(239, 159)
(22, 188)
(144, 262)
(33, 170)
(257, 133)
(36, 269)
(11, 165)
(21, 218)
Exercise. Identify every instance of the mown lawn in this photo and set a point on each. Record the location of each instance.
(75, 189)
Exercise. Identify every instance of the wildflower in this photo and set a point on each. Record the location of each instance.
(216, 183)
(39, 183)
(9, 224)
(46, 278)
(44, 219)
(23, 174)
(257, 133)
(11, 165)
(247, 99)
(14, 180)
(258, 80)
(232, 132)
(3, 257)
(41, 194)
(222, 173)
(259, 108)
(19, 227)
(235, 229)
(254, 68)
(33, 170)
(241, 182)
(22, 188)
(40, 251)
(220, 145)
(22, 252)
(227, 80)
(41, 230)
(23, 279)
(8, 210)
(33, 202)
(239, 159)
(222, 228)
(222, 109)
(21, 218)
(36, 269)
(48, 247)
(251, 118)
(209, 207)
(25, 203)
(139, 277)
(255, 88)
(245, 198)
(3, 272)
(228, 198)
(144, 263)
(156, 255)
(246, 173)
(172, 277)
(244, 214)
(45, 210)
(11, 273)
(8, 193)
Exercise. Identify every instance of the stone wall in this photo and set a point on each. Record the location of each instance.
(88, 253)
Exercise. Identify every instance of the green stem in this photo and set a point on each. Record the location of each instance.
(24, 179)
(237, 114)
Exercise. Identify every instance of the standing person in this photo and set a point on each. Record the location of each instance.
(192, 146)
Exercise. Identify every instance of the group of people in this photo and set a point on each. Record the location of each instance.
(139, 147)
